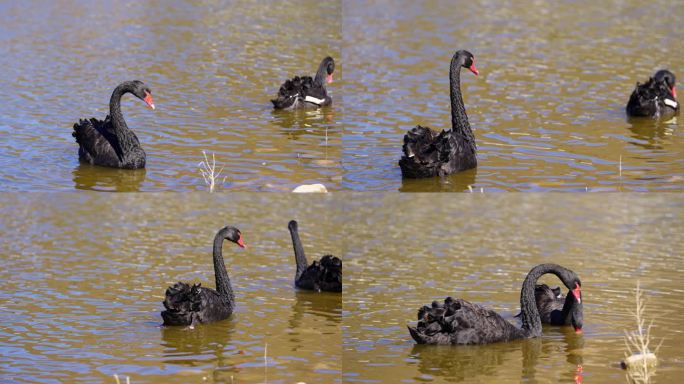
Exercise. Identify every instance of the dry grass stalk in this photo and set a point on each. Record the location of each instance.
(208, 171)
(640, 361)
(116, 377)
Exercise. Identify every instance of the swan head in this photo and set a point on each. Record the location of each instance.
(142, 92)
(329, 65)
(577, 311)
(292, 225)
(233, 234)
(577, 291)
(467, 61)
(667, 77)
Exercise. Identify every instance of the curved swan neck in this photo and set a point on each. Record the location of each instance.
(319, 79)
(567, 307)
(531, 322)
(459, 118)
(223, 286)
(115, 106)
(298, 250)
(126, 137)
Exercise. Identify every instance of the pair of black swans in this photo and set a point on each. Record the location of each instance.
(456, 321)
(193, 304)
(428, 153)
(110, 143)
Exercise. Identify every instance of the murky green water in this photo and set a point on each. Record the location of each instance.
(413, 249)
(213, 66)
(547, 109)
(84, 278)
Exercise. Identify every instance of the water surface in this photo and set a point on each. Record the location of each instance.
(547, 109)
(212, 66)
(417, 248)
(85, 277)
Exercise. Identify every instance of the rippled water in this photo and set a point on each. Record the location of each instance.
(418, 248)
(547, 108)
(213, 66)
(85, 276)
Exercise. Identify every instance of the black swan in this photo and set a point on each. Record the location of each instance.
(460, 322)
(556, 309)
(110, 143)
(305, 92)
(656, 98)
(323, 275)
(190, 305)
(428, 153)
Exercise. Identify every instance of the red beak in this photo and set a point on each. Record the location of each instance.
(474, 70)
(329, 79)
(577, 293)
(674, 92)
(148, 100)
(578, 330)
(241, 243)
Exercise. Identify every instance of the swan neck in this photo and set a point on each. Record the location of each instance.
(300, 258)
(319, 79)
(567, 307)
(223, 286)
(531, 321)
(127, 140)
(115, 108)
(459, 118)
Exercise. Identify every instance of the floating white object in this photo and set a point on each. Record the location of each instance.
(639, 359)
(310, 188)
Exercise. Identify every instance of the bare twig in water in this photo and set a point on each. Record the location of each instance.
(265, 363)
(208, 171)
(639, 361)
(116, 377)
(620, 166)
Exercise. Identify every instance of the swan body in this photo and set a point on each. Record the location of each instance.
(305, 91)
(109, 142)
(191, 305)
(323, 275)
(656, 98)
(428, 153)
(456, 321)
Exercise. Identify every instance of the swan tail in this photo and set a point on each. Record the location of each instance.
(291, 91)
(182, 302)
(421, 153)
(322, 275)
(420, 339)
(95, 138)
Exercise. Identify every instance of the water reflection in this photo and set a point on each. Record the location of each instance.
(324, 304)
(91, 177)
(469, 361)
(457, 182)
(179, 342)
(458, 363)
(651, 134)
